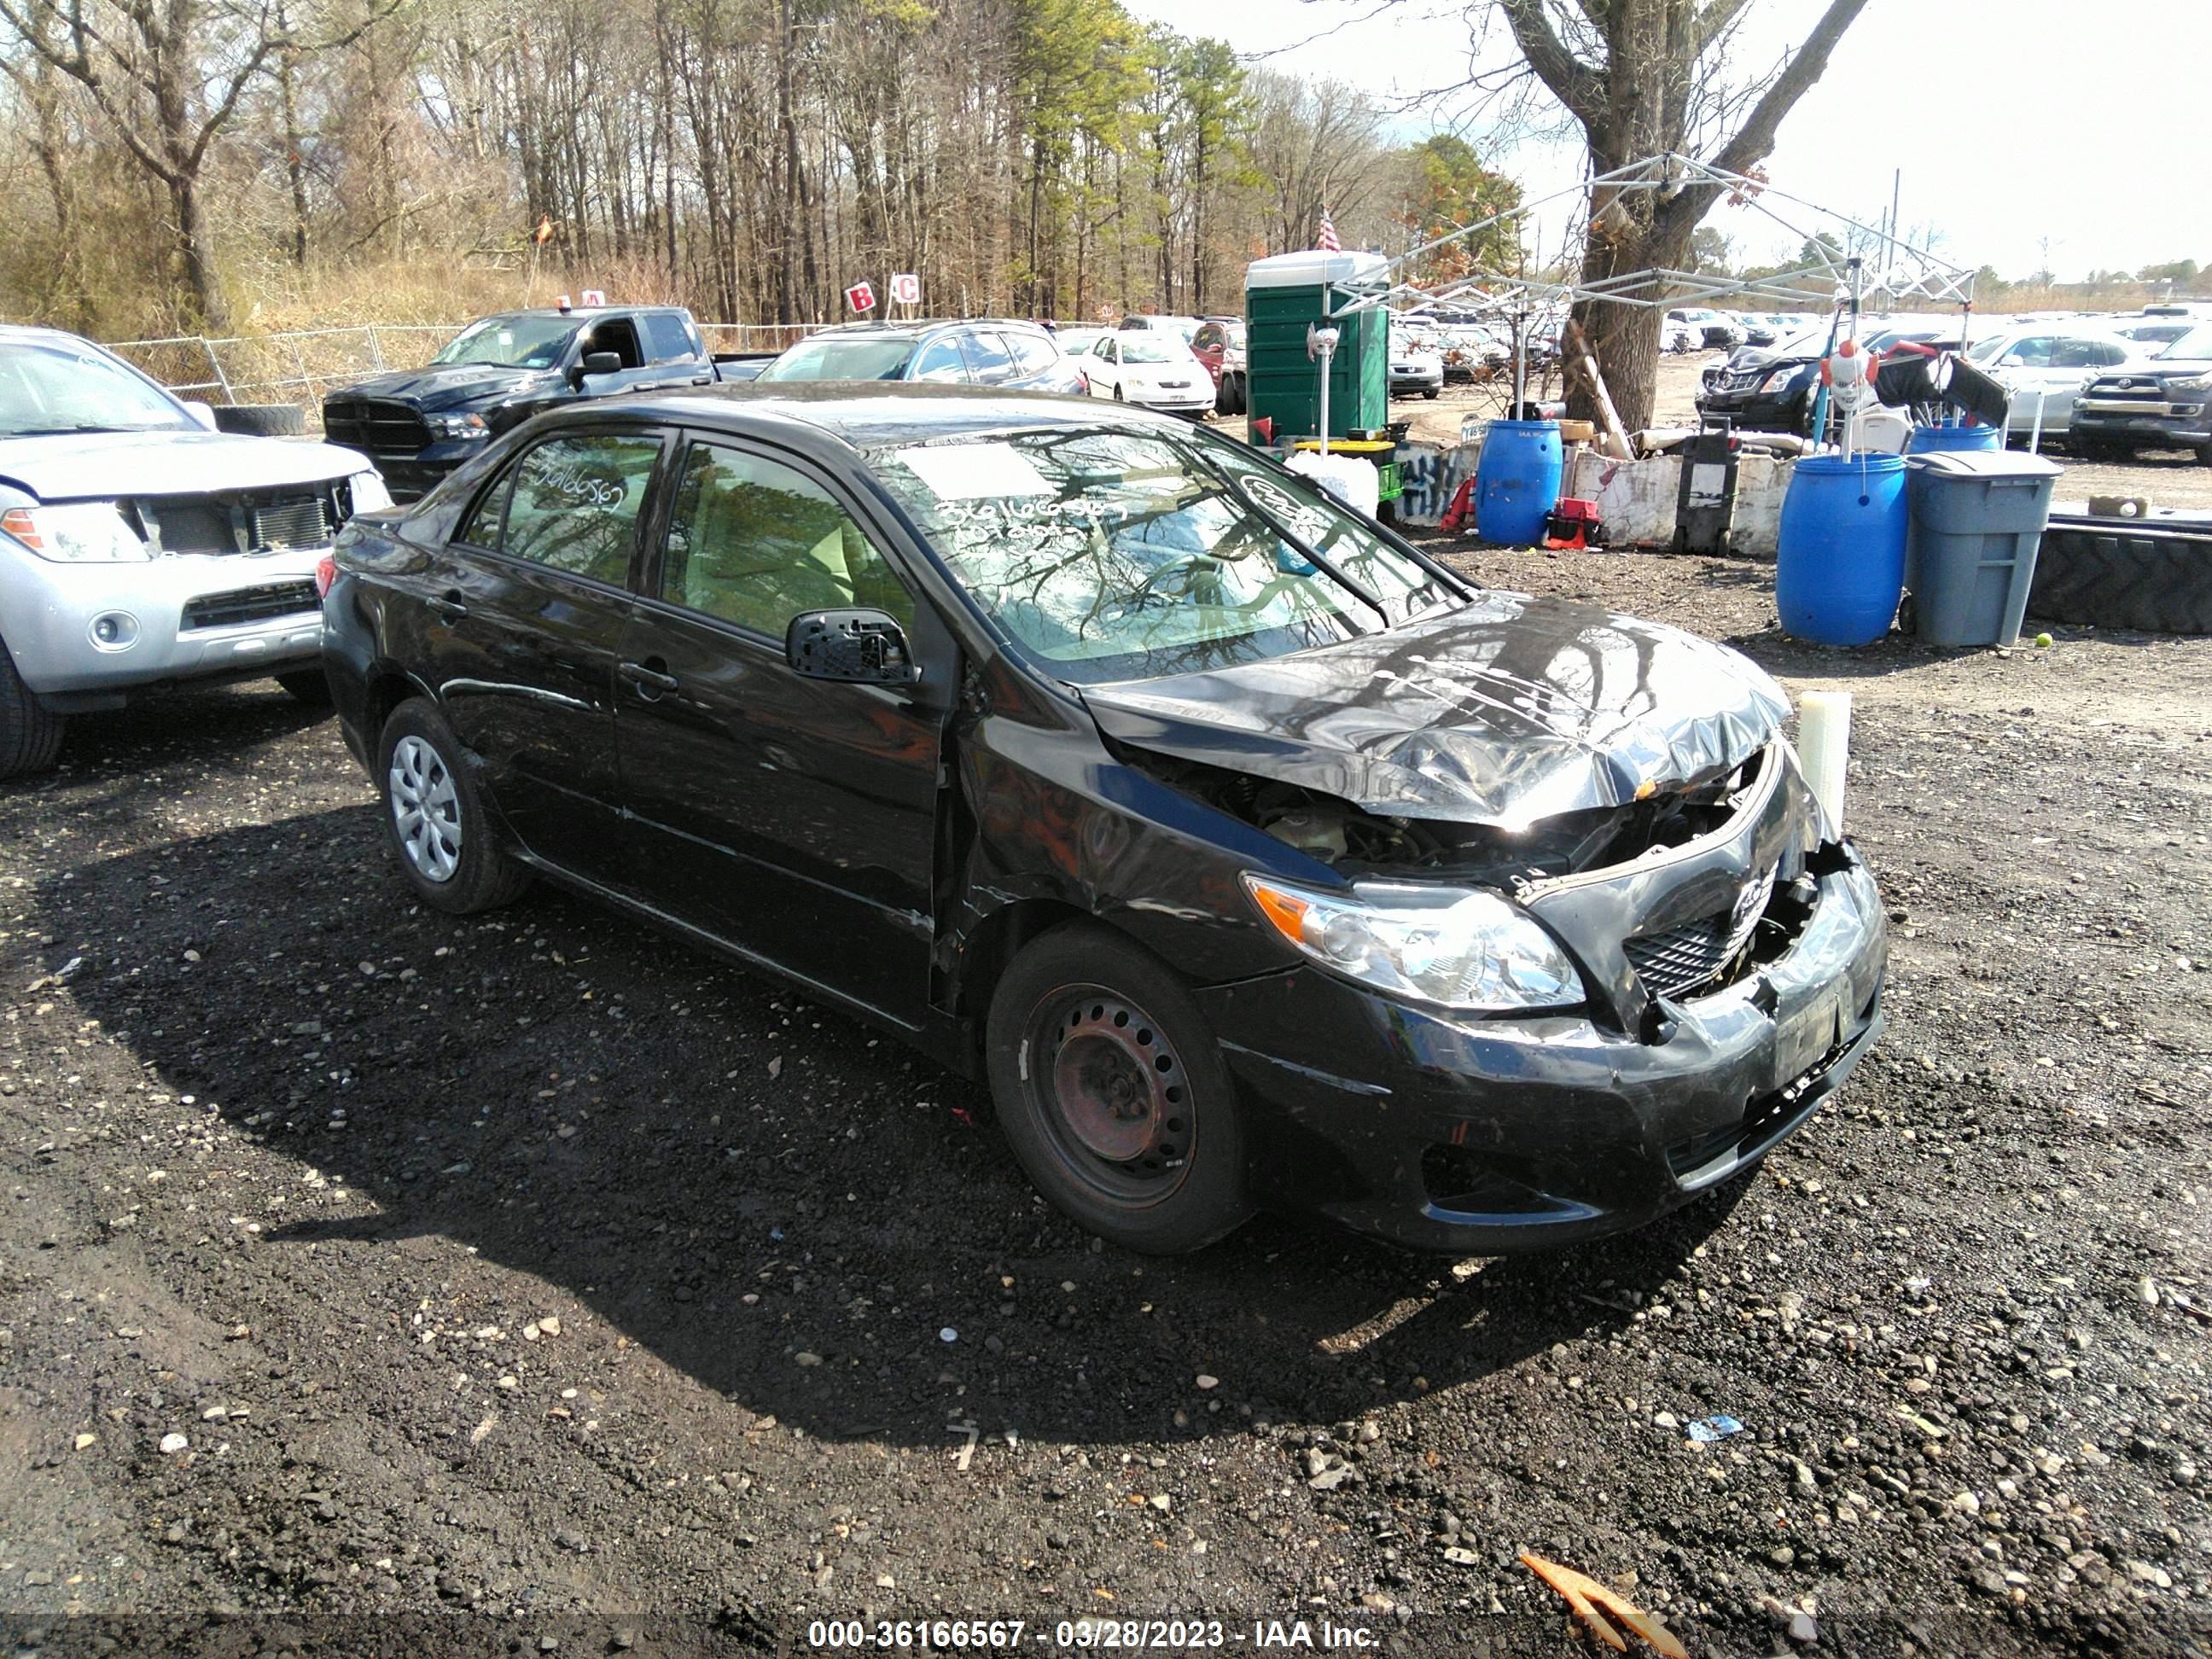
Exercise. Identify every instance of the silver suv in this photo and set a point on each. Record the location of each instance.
(140, 548)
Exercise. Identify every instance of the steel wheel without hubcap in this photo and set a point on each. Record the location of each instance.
(1114, 1097)
(426, 809)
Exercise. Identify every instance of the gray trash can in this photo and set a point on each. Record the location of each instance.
(1977, 520)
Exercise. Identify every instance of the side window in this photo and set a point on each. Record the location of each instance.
(1107, 349)
(670, 339)
(1033, 353)
(940, 359)
(481, 527)
(987, 357)
(619, 336)
(2108, 356)
(755, 543)
(2033, 352)
(577, 501)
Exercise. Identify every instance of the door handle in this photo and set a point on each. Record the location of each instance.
(448, 608)
(651, 683)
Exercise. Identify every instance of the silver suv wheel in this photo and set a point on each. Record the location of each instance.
(426, 809)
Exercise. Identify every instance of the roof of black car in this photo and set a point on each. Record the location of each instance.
(867, 414)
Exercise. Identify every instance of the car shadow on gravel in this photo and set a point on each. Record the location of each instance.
(218, 724)
(813, 1222)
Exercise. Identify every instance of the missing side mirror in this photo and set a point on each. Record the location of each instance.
(860, 647)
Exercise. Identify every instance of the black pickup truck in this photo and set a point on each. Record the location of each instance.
(419, 424)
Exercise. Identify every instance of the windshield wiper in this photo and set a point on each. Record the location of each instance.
(1312, 555)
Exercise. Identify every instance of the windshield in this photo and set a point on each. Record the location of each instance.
(1148, 348)
(2197, 342)
(511, 341)
(63, 388)
(1117, 556)
(843, 357)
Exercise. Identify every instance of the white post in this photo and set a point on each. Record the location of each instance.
(1824, 742)
(2035, 437)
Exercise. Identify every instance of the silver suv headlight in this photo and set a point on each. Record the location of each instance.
(1452, 947)
(78, 533)
(2194, 383)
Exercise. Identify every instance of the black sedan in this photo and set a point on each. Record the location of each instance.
(1252, 856)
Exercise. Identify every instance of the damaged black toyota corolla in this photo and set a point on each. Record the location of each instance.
(1253, 857)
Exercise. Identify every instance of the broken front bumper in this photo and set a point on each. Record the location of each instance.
(1480, 1136)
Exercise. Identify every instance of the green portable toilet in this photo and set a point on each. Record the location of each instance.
(1284, 295)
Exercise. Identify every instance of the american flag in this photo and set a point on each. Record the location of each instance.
(1326, 241)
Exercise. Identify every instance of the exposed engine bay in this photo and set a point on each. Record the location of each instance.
(1358, 842)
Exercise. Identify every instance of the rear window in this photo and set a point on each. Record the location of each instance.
(668, 337)
(1033, 353)
(843, 357)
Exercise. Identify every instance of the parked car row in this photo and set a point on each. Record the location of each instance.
(2102, 385)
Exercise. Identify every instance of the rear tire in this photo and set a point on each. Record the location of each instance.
(30, 732)
(261, 420)
(435, 820)
(1112, 1092)
(308, 685)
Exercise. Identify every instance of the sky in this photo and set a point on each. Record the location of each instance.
(2005, 156)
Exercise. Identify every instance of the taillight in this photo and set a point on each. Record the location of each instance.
(326, 572)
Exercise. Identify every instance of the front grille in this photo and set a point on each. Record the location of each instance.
(2147, 390)
(294, 521)
(250, 605)
(375, 425)
(1685, 958)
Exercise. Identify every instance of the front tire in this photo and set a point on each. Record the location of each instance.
(1112, 1092)
(435, 820)
(30, 732)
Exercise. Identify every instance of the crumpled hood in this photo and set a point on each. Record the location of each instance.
(102, 465)
(454, 385)
(1508, 711)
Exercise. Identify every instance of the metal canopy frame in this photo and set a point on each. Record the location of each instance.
(1906, 273)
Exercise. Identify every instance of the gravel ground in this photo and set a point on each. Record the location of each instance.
(363, 1267)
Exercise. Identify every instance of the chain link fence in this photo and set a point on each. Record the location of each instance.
(301, 367)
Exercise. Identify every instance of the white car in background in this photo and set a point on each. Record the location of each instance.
(140, 549)
(2049, 365)
(1417, 363)
(1151, 366)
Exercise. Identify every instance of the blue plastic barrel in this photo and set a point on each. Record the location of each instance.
(1516, 481)
(1839, 565)
(1927, 439)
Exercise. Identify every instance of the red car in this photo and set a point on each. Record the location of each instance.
(1219, 344)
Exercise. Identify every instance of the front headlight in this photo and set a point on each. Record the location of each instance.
(458, 426)
(2194, 383)
(1448, 946)
(82, 532)
(369, 492)
(1779, 380)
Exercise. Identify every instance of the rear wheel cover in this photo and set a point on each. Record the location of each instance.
(426, 809)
